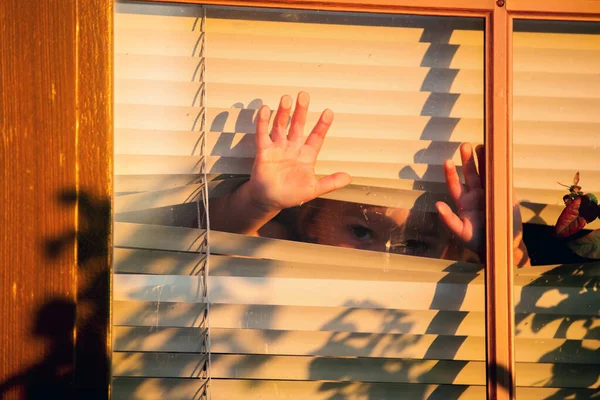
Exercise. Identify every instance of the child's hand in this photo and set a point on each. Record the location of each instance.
(283, 174)
(469, 224)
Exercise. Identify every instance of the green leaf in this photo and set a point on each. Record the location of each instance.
(588, 208)
(587, 246)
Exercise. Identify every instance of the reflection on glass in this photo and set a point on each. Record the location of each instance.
(556, 138)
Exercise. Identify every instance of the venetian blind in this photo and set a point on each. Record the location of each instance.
(298, 320)
(566, 142)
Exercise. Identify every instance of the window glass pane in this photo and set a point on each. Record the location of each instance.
(159, 288)
(333, 254)
(556, 176)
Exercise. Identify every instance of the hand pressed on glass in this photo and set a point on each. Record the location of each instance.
(283, 177)
(469, 224)
(283, 174)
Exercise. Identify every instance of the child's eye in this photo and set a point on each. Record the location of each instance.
(410, 246)
(361, 232)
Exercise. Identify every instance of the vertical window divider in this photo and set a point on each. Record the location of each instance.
(499, 216)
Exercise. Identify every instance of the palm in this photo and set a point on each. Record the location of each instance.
(469, 223)
(283, 174)
(471, 211)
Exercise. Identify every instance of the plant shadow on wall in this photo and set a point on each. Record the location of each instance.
(56, 322)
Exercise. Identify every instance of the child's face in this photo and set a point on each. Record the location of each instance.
(376, 228)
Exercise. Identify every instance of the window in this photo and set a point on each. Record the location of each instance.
(556, 134)
(68, 104)
(336, 297)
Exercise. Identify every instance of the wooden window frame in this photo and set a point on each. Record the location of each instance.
(56, 110)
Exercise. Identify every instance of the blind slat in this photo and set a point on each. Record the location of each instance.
(182, 365)
(230, 389)
(264, 47)
(346, 319)
(232, 120)
(243, 146)
(303, 292)
(127, 184)
(174, 196)
(304, 343)
(170, 263)
(178, 165)
(171, 288)
(374, 102)
(343, 100)
(260, 47)
(366, 345)
(307, 74)
(295, 30)
(319, 292)
(540, 213)
(236, 120)
(338, 149)
(148, 183)
(525, 177)
(272, 73)
(328, 319)
(311, 368)
(350, 32)
(154, 237)
(162, 198)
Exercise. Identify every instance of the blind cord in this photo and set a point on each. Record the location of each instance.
(204, 198)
